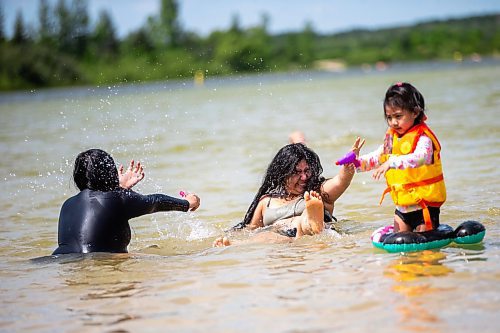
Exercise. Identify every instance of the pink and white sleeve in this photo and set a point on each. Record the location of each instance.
(421, 156)
(371, 160)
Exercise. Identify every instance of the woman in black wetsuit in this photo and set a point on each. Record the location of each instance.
(96, 219)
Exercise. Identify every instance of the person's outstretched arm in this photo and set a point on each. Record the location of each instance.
(337, 185)
(137, 204)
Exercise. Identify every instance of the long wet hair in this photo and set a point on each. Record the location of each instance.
(278, 172)
(95, 170)
(403, 95)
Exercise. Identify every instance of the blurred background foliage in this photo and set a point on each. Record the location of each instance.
(65, 49)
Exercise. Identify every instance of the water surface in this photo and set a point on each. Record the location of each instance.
(217, 140)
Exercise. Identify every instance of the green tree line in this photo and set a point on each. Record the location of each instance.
(66, 49)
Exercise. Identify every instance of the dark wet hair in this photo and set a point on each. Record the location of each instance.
(405, 96)
(280, 169)
(95, 170)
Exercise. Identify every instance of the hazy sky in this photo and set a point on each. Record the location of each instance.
(326, 16)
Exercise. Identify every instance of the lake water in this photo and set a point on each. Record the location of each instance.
(216, 140)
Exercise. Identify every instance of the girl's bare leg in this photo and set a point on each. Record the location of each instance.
(399, 225)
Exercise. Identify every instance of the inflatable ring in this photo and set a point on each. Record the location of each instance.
(469, 232)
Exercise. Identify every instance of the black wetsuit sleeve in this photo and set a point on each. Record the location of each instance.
(136, 204)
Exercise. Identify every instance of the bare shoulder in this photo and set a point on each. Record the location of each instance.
(258, 215)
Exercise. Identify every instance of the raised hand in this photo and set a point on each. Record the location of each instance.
(194, 201)
(356, 147)
(133, 175)
(381, 170)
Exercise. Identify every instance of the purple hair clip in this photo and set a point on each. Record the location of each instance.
(399, 84)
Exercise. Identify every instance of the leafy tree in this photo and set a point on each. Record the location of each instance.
(164, 30)
(72, 27)
(20, 35)
(243, 51)
(46, 26)
(2, 31)
(169, 13)
(138, 42)
(235, 24)
(299, 47)
(40, 67)
(80, 28)
(66, 49)
(104, 36)
(64, 26)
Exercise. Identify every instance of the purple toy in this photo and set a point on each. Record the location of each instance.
(348, 158)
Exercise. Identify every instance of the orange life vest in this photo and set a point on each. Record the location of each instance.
(422, 186)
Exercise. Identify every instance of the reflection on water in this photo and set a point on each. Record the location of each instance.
(411, 272)
(422, 277)
(217, 140)
(412, 266)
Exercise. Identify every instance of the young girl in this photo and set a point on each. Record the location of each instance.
(410, 161)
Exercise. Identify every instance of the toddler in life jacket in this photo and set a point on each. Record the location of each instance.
(410, 160)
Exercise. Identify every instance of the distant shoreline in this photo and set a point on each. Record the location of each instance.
(42, 94)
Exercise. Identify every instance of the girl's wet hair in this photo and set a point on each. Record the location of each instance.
(403, 95)
(278, 172)
(95, 170)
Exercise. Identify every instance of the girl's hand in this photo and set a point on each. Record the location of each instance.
(133, 175)
(381, 170)
(194, 201)
(356, 147)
